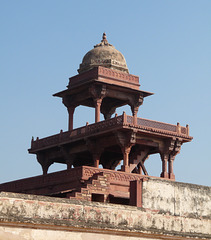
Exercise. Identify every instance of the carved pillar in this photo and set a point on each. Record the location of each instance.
(96, 158)
(135, 112)
(168, 153)
(164, 158)
(171, 173)
(97, 103)
(69, 102)
(97, 92)
(125, 152)
(70, 110)
(126, 141)
(135, 103)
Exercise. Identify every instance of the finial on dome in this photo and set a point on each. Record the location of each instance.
(104, 42)
(104, 38)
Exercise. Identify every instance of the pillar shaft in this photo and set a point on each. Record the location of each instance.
(126, 151)
(71, 110)
(97, 109)
(96, 158)
(135, 112)
(164, 158)
(171, 173)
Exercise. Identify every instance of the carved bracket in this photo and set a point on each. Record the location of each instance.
(107, 110)
(137, 160)
(135, 103)
(126, 139)
(98, 91)
(44, 161)
(69, 101)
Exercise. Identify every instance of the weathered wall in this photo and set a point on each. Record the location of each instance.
(8, 233)
(176, 198)
(22, 214)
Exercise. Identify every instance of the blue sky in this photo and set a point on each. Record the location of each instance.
(167, 43)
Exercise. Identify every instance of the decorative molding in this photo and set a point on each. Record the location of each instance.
(114, 176)
(107, 72)
(104, 72)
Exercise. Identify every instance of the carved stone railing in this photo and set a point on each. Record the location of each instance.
(114, 176)
(100, 127)
(155, 124)
(63, 137)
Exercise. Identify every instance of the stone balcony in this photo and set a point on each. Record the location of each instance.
(142, 125)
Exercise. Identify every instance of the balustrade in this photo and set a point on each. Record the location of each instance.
(104, 125)
(155, 124)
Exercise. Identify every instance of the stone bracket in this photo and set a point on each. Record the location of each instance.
(44, 161)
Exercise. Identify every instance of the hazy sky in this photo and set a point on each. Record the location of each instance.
(167, 43)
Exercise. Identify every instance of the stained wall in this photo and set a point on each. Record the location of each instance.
(170, 210)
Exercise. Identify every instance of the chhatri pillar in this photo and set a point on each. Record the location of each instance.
(70, 110)
(97, 103)
(164, 159)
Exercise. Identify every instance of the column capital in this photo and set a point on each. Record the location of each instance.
(126, 139)
(97, 101)
(135, 103)
(98, 91)
(69, 101)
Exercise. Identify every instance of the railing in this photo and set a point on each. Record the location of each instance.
(157, 125)
(102, 126)
(63, 137)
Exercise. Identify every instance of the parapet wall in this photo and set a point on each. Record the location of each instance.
(176, 198)
(166, 214)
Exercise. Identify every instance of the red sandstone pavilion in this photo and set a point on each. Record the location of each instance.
(103, 83)
(115, 201)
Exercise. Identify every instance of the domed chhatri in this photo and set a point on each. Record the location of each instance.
(103, 54)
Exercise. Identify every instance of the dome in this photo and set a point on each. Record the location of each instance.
(103, 54)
